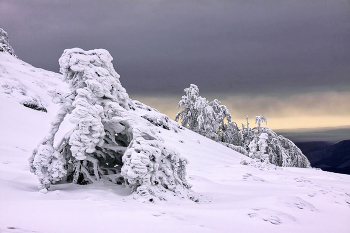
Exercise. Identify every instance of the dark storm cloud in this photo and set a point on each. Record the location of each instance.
(222, 46)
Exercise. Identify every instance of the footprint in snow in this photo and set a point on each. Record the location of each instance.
(249, 176)
(302, 180)
(312, 194)
(273, 219)
(299, 203)
(272, 216)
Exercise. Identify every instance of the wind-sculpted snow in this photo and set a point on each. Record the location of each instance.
(5, 43)
(110, 139)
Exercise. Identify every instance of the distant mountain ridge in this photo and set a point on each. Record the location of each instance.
(327, 156)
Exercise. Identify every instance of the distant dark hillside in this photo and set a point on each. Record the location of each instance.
(330, 134)
(327, 156)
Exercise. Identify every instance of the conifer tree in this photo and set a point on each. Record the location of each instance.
(109, 140)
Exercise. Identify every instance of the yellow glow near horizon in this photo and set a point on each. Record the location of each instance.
(309, 110)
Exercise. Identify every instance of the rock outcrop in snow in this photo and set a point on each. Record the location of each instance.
(5, 44)
(109, 140)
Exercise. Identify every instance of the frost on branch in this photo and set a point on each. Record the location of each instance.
(110, 140)
(212, 120)
(5, 44)
(268, 147)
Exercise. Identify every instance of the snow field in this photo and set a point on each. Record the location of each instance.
(235, 197)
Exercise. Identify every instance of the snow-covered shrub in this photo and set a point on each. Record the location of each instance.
(5, 44)
(109, 139)
(201, 116)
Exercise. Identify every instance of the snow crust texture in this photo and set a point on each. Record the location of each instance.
(5, 43)
(109, 139)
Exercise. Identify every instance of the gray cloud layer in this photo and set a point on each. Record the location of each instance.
(222, 46)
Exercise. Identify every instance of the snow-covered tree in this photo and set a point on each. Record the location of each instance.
(260, 143)
(201, 116)
(259, 119)
(221, 115)
(258, 148)
(192, 105)
(281, 151)
(5, 44)
(109, 140)
(232, 134)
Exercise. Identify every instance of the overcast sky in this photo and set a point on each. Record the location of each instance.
(288, 60)
(222, 46)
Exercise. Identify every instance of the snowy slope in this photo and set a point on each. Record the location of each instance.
(236, 198)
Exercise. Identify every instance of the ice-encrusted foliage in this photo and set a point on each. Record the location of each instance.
(231, 134)
(260, 119)
(282, 151)
(213, 120)
(264, 145)
(267, 146)
(201, 116)
(109, 140)
(5, 44)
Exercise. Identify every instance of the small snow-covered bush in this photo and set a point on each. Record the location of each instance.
(109, 139)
